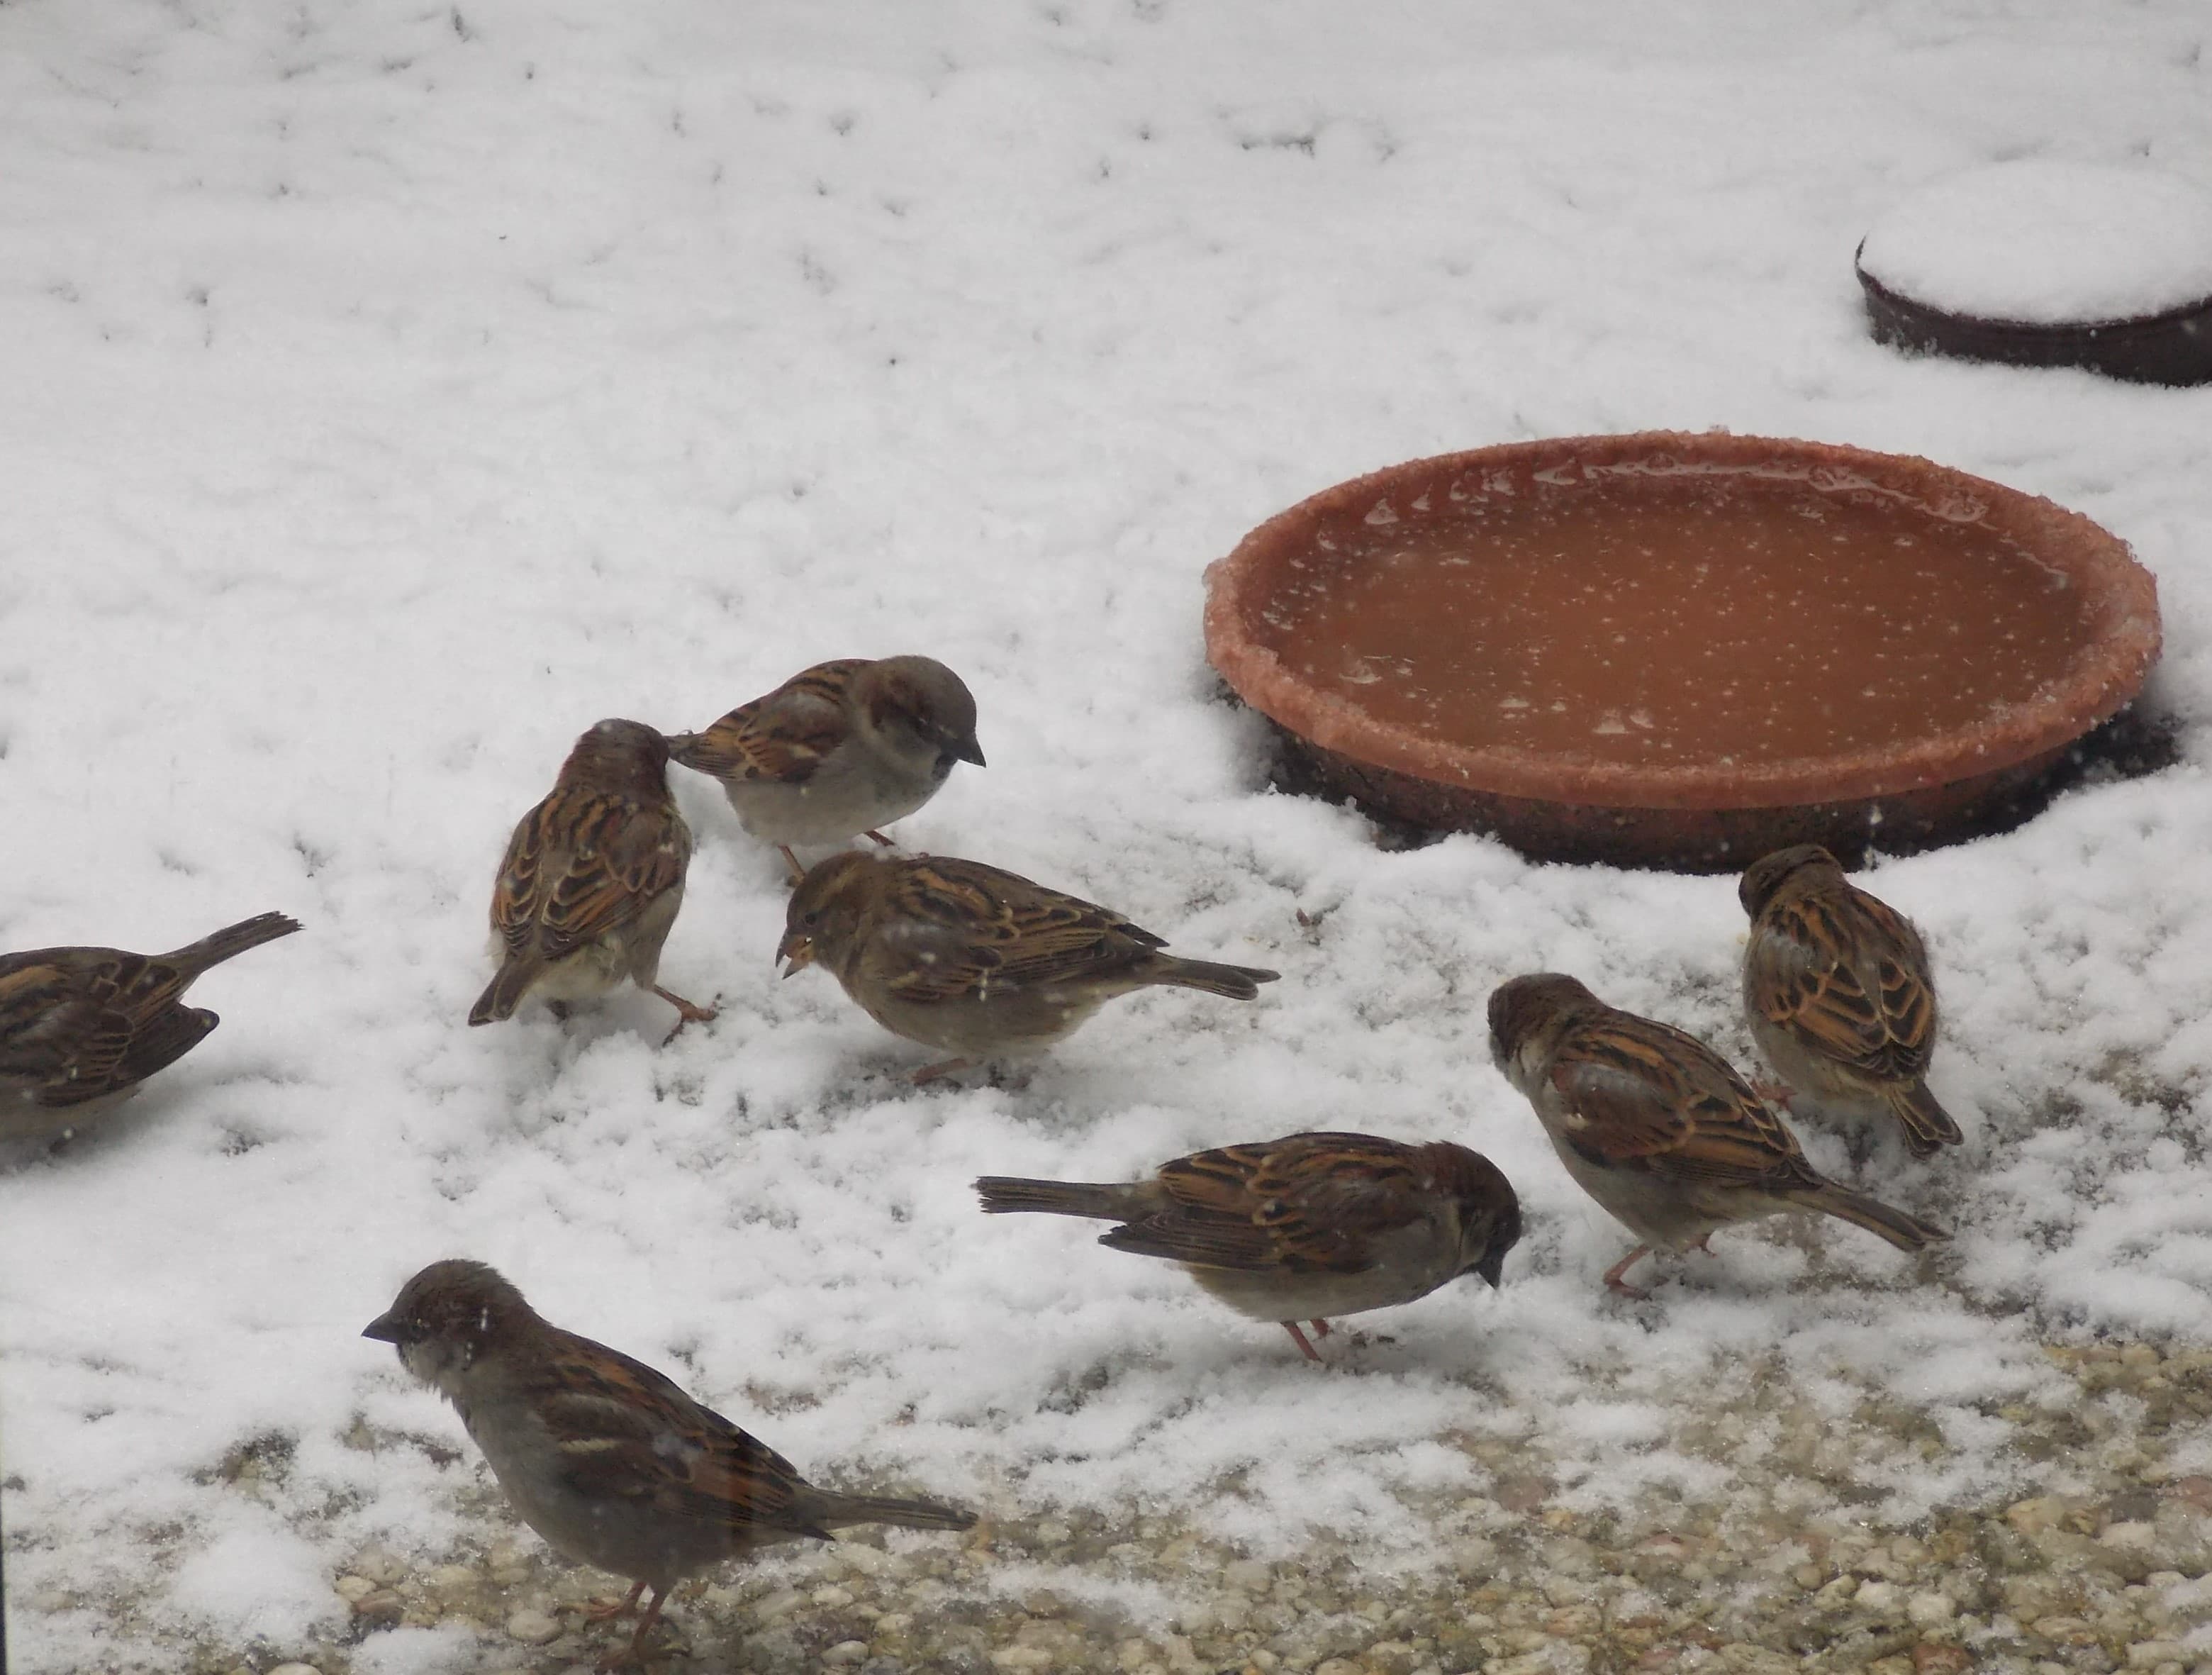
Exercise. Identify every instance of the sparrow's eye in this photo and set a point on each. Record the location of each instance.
(814, 918)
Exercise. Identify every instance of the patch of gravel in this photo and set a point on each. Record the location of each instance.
(2114, 1574)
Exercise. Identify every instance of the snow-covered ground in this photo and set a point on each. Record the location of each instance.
(388, 391)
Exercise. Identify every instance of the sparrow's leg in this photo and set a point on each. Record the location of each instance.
(1321, 1328)
(790, 861)
(606, 1610)
(686, 1013)
(1299, 1338)
(1613, 1281)
(1774, 1092)
(635, 1652)
(946, 1067)
(880, 839)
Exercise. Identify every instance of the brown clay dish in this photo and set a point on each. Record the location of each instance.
(1679, 650)
(2173, 346)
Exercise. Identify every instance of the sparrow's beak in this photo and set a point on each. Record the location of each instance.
(968, 751)
(1490, 1267)
(796, 951)
(384, 1329)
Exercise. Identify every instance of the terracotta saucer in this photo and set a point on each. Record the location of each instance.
(2075, 620)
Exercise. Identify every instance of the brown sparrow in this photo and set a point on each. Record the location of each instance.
(591, 880)
(607, 1459)
(1304, 1227)
(1837, 990)
(838, 750)
(1654, 1124)
(975, 961)
(80, 1027)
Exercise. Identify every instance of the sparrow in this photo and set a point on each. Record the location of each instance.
(1837, 990)
(1658, 1129)
(838, 750)
(1302, 1228)
(975, 961)
(81, 1027)
(608, 1460)
(591, 880)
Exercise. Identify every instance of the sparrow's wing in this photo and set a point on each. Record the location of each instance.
(628, 1432)
(1639, 1094)
(781, 739)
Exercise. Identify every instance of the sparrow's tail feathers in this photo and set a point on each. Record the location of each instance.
(1907, 1233)
(1003, 1194)
(719, 756)
(231, 942)
(1237, 983)
(498, 1002)
(834, 1512)
(1927, 1127)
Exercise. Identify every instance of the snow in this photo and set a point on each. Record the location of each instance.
(392, 391)
(2048, 242)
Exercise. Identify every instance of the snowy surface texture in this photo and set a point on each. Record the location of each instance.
(2048, 242)
(392, 390)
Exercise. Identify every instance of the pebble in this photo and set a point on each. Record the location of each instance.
(380, 1565)
(1837, 1594)
(1249, 1574)
(1882, 1599)
(2150, 1653)
(845, 1652)
(380, 1608)
(532, 1628)
(1929, 1608)
(864, 1561)
(779, 1604)
(453, 1578)
(2067, 1630)
(2035, 1516)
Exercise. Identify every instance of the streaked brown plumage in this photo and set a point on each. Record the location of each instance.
(591, 880)
(608, 1460)
(1658, 1128)
(1303, 1227)
(838, 750)
(79, 1027)
(1838, 992)
(977, 962)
